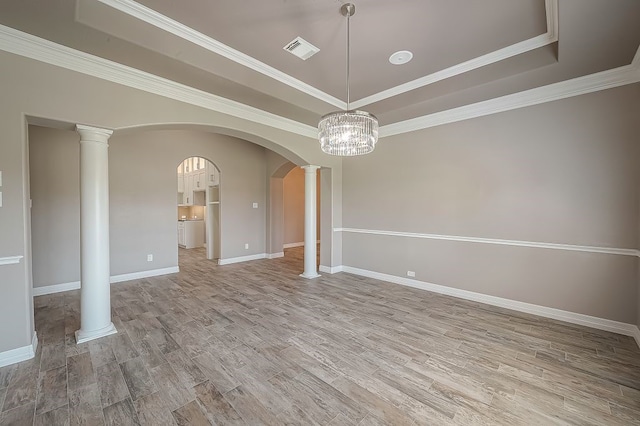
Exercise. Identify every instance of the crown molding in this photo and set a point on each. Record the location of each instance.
(551, 36)
(29, 46)
(609, 79)
(158, 20)
(551, 8)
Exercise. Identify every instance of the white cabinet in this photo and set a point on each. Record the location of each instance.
(199, 183)
(181, 232)
(213, 176)
(191, 233)
(181, 182)
(195, 174)
(188, 190)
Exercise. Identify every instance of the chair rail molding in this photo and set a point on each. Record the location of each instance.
(9, 260)
(535, 244)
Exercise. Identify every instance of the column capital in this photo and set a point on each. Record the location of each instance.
(93, 134)
(309, 168)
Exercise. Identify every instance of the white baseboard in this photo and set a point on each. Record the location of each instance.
(242, 259)
(20, 354)
(144, 274)
(330, 269)
(56, 288)
(75, 285)
(275, 255)
(300, 244)
(543, 311)
(292, 245)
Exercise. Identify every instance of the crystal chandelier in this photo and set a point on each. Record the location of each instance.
(348, 133)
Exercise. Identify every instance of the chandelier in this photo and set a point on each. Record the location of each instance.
(348, 133)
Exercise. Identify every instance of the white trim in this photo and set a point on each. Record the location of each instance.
(10, 260)
(609, 79)
(20, 354)
(535, 244)
(158, 20)
(178, 29)
(75, 285)
(330, 269)
(543, 311)
(473, 64)
(292, 245)
(143, 274)
(56, 288)
(29, 46)
(82, 336)
(551, 9)
(310, 276)
(300, 244)
(242, 259)
(275, 255)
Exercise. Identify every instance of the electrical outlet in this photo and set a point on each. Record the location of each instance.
(246, 246)
(149, 258)
(255, 205)
(411, 274)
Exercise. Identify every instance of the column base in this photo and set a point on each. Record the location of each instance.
(85, 336)
(310, 276)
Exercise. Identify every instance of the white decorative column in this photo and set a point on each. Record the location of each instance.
(95, 292)
(310, 212)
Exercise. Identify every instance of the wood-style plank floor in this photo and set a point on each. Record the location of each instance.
(254, 343)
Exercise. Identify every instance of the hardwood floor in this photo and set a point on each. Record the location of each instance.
(254, 343)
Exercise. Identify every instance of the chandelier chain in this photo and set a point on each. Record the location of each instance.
(348, 55)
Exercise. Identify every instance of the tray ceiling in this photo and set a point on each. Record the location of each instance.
(464, 52)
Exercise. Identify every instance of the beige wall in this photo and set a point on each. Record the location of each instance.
(34, 89)
(55, 216)
(294, 206)
(565, 172)
(142, 188)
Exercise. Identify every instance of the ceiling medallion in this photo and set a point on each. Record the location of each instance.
(348, 133)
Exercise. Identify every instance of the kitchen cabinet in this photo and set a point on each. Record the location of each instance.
(180, 182)
(191, 233)
(195, 176)
(199, 183)
(213, 176)
(188, 190)
(181, 239)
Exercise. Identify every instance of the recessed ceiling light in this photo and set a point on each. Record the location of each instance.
(401, 57)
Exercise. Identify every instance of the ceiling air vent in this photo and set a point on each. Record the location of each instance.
(301, 48)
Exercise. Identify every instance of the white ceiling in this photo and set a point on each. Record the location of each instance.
(464, 51)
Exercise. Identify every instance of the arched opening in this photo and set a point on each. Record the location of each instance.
(198, 201)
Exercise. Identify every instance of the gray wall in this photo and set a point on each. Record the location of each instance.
(294, 206)
(55, 216)
(142, 191)
(564, 172)
(32, 89)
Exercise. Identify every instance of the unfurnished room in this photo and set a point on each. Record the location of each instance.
(320, 212)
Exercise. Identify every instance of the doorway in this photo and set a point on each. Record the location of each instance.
(293, 212)
(198, 202)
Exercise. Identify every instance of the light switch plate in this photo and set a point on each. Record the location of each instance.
(255, 205)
